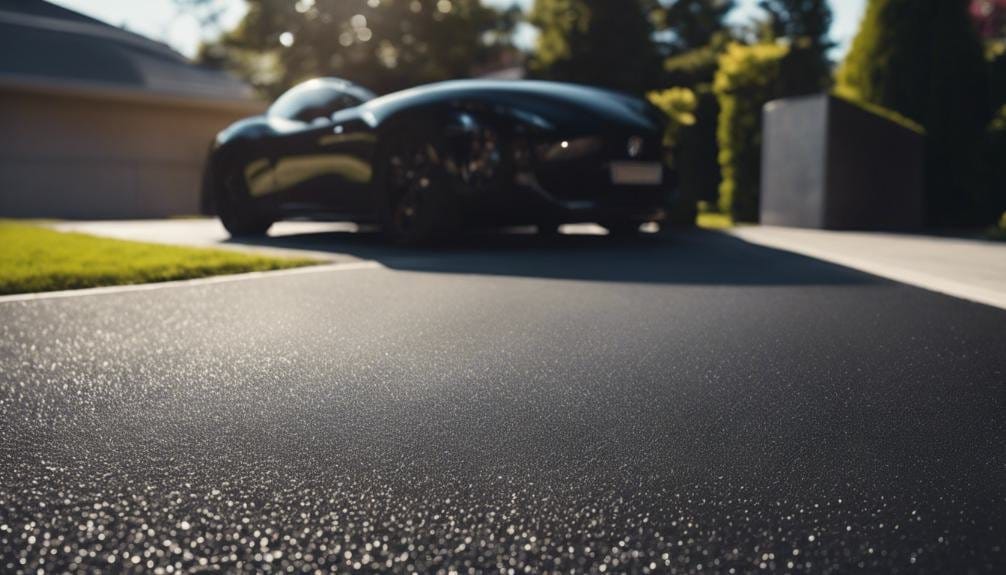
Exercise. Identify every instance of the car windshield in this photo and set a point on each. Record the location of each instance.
(318, 99)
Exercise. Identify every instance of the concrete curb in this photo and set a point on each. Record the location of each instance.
(110, 290)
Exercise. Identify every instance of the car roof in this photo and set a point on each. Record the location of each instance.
(337, 84)
(598, 101)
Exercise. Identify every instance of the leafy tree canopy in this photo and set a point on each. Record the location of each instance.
(598, 42)
(382, 44)
(686, 25)
(805, 26)
(807, 20)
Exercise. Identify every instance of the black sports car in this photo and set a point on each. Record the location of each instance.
(425, 161)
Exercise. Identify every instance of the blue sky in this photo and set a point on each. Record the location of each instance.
(160, 20)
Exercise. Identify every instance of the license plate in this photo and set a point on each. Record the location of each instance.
(637, 173)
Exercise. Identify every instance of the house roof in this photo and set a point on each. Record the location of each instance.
(47, 45)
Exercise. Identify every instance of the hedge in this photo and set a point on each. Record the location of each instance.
(923, 59)
(678, 104)
(996, 161)
(889, 115)
(747, 79)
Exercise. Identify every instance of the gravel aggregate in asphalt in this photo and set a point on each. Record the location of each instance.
(580, 406)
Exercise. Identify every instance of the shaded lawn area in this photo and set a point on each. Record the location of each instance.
(714, 221)
(37, 259)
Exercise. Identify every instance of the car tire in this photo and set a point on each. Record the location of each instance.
(237, 211)
(547, 229)
(622, 229)
(419, 204)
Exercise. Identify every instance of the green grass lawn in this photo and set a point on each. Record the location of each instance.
(36, 259)
(714, 221)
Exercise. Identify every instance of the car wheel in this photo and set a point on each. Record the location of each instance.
(621, 229)
(237, 211)
(548, 229)
(419, 207)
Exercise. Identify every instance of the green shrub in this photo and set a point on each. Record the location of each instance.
(748, 78)
(996, 134)
(694, 67)
(996, 161)
(698, 152)
(596, 42)
(998, 123)
(995, 57)
(678, 104)
(997, 232)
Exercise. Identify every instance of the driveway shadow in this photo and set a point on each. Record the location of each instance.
(690, 257)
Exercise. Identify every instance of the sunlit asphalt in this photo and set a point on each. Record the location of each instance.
(575, 404)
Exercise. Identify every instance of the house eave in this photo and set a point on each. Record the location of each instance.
(116, 93)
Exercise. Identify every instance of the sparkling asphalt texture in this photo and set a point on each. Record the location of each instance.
(519, 405)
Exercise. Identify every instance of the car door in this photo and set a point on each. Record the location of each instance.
(314, 170)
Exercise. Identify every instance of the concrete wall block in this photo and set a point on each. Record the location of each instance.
(829, 164)
(794, 138)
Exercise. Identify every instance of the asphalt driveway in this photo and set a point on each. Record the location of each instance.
(577, 404)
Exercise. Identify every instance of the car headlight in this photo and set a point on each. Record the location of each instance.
(569, 149)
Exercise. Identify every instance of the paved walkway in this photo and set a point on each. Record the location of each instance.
(969, 269)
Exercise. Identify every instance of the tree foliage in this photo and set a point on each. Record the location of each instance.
(910, 54)
(678, 104)
(792, 61)
(686, 25)
(990, 18)
(386, 45)
(692, 34)
(597, 42)
(923, 59)
(807, 19)
(805, 26)
(695, 68)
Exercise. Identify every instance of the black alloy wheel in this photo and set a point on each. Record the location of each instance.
(419, 205)
(236, 209)
(622, 229)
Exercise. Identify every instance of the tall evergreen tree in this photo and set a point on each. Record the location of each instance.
(382, 45)
(597, 42)
(806, 25)
(686, 25)
(923, 59)
(808, 19)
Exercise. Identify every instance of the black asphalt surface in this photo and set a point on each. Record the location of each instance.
(684, 404)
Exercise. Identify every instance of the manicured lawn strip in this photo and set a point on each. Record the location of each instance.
(37, 259)
(714, 221)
